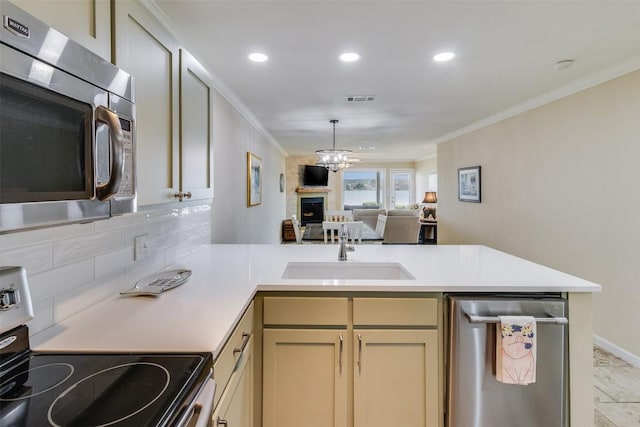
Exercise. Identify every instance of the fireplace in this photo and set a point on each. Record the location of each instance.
(311, 210)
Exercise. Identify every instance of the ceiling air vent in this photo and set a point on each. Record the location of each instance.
(361, 98)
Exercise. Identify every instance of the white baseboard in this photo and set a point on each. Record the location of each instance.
(617, 351)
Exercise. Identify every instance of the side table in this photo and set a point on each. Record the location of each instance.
(424, 236)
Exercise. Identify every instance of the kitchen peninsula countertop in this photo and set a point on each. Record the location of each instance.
(199, 315)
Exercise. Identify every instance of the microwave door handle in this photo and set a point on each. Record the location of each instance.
(116, 143)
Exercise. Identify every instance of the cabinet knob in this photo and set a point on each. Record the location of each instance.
(180, 195)
(221, 422)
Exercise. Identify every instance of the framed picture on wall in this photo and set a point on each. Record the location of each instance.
(469, 184)
(254, 180)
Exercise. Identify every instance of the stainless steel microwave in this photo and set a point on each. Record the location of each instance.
(67, 129)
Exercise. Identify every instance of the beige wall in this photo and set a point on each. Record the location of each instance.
(424, 168)
(560, 187)
(233, 221)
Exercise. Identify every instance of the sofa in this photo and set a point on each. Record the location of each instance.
(368, 216)
(402, 225)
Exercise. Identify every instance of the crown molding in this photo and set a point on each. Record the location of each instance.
(594, 79)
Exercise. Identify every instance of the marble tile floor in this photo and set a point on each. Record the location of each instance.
(617, 391)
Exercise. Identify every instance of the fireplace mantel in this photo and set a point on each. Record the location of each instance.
(313, 190)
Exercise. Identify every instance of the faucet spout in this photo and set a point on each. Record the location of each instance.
(343, 239)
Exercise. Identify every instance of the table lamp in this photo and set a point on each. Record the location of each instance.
(429, 213)
(430, 197)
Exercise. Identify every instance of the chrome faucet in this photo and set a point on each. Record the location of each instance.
(343, 239)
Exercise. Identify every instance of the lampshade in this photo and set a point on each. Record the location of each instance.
(334, 159)
(430, 197)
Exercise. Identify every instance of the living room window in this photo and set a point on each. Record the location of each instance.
(363, 188)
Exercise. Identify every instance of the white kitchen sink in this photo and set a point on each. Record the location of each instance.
(347, 271)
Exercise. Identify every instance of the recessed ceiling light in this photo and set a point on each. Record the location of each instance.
(444, 56)
(349, 57)
(366, 147)
(258, 57)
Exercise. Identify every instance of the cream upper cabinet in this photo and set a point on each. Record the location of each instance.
(395, 378)
(173, 95)
(87, 22)
(145, 49)
(196, 129)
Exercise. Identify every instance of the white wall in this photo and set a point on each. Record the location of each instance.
(560, 187)
(233, 221)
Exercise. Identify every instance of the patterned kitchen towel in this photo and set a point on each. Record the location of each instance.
(516, 350)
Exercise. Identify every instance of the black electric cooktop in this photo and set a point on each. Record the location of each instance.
(70, 389)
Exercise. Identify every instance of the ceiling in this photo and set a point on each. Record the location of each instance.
(505, 56)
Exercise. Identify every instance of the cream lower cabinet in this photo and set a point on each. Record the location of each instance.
(395, 380)
(363, 362)
(233, 370)
(304, 378)
(235, 408)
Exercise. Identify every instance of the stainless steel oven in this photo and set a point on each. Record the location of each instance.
(67, 129)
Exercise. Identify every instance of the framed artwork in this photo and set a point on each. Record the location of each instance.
(469, 184)
(254, 180)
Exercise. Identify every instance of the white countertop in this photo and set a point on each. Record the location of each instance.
(199, 315)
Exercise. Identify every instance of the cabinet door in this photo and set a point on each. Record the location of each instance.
(235, 408)
(196, 127)
(85, 21)
(395, 378)
(145, 49)
(304, 378)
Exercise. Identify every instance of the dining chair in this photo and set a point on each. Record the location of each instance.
(353, 227)
(296, 228)
(380, 225)
(338, 216)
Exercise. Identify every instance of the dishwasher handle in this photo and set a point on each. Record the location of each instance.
(472, 318)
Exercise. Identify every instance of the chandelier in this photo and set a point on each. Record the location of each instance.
(333, 159)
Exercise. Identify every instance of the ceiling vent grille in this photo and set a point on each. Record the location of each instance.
(361, 98)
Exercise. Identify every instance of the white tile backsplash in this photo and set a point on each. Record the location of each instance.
(74, 266)
(68, 303)
(113, 262)
(53, 282)
(35, 258)
(43, 316)
(89, 245)
(24, 238)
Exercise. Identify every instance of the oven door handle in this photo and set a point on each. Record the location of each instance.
(110, 188)
(200, 410)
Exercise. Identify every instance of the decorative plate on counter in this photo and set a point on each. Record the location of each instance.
(158, 283)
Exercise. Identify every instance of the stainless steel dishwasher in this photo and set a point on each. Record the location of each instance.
(475, 397)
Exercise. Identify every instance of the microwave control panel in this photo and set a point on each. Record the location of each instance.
(127, 188)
